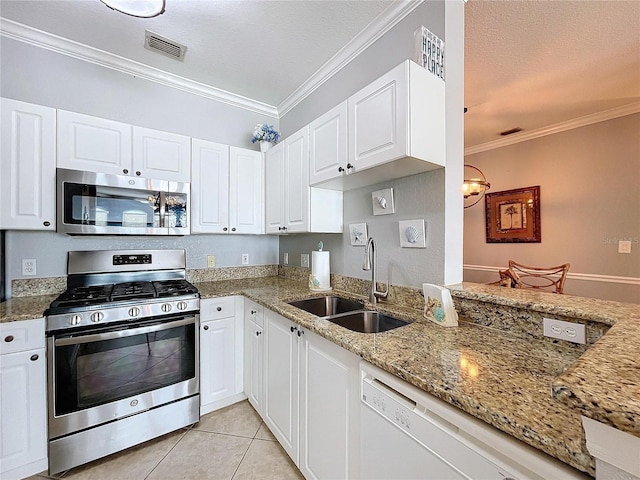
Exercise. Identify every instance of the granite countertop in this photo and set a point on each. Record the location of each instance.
(534, 390)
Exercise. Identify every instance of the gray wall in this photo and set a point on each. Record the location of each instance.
(44, 77)
(590, 199)
(418, 196)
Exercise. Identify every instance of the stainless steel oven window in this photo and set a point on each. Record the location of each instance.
(97, 367)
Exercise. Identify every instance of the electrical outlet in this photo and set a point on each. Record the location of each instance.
(211, 261)
(28, 266)
(569, 331)
(245, 259)
(624, 246)
(286, 258)
(304, 260)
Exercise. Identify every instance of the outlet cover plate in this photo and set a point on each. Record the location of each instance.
(245, 259)
(304, 260)
(569, 331)
(211, 261)
(28, 266)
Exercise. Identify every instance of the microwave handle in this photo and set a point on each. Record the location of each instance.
(163, 201)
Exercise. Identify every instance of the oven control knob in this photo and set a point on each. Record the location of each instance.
(134, 311)
(97, 317)
(182, 305)
(75, 319)
(166, 307)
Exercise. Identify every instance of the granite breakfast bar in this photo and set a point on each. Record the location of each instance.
(528, 386)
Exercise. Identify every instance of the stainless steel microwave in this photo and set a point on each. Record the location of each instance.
(102, 204)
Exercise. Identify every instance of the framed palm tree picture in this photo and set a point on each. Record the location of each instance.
(513, 216)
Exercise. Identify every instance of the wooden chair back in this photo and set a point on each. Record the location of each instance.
(540, 278)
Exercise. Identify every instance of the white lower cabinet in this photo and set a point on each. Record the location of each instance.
(221, 352)
(23, 399)
(254, 355)
(311, 399)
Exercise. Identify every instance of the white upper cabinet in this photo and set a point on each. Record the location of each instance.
(227, 189)
(99, 145)
(161, 155)
(27, 166)
(93, 144)
(396, 128)
(246, 191)
(291, 205)
(328, 145)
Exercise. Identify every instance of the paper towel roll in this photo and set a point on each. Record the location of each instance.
(320, 270)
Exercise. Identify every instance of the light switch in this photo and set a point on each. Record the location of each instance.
(624, 246)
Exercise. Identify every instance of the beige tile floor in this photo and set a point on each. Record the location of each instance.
(231, 443)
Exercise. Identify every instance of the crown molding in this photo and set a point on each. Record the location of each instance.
(376, 29)
(54, 43)
(589, 277)
(610, 114)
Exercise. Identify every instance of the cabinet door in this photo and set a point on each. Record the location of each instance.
(328, 145)
(328, 383)
(274, 189)
(246, 193)
(93, 144)
(217, 360)
(27, 166)
(296, 170)
(23, 422)
(254, 355)
(281, 381)
(161, 155)
(378, 120)
(210, 187)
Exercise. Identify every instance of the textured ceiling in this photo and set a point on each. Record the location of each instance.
(528, 63)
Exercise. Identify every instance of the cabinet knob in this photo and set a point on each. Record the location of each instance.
(125, 171)
(258, 333)
(293, 329)
(138, 173)
(34, 357)
(300, 332)
(206, 327)
(284, 228)
(8, 338)
(219, 309)
(340, 169)
(46, 224)
(349, 166)
(233, 229)
(253, 312)
(225, 229)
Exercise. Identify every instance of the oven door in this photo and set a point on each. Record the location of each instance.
(101, 375)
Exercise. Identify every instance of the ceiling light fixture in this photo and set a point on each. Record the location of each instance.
(474, 187)
(137, 8)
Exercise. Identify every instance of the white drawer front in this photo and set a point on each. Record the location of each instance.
(22, 335)
(216, 308)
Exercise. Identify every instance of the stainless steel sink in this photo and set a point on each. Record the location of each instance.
(367, 321)
(328, 305)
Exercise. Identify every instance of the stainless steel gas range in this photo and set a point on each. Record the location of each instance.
(122, 353)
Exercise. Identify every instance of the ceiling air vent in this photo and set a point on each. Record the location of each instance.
(160, 44)
(511, 132)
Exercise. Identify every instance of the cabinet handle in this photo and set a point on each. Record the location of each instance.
(34, 357)
(300, 332)
(340, 169)
(225, 229)
(46, 224)
(293, 329)
(349, 166)
(206, 327)
(8, 338)
(125, 171)
(138, 173)
(258, 333)
(233, 229)
(219, 309)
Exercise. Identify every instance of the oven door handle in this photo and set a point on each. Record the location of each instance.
(96, 337)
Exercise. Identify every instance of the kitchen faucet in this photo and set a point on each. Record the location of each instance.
(370, 264)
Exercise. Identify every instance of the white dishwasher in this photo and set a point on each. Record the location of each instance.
(407, 434)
